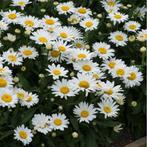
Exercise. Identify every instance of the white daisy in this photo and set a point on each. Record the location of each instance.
(132, 26)
(103, 50)
(83, 12)
(89, 24)
(142, 35)
(85, 112)
(59, 121)
(23, 134)
(108, 107)
(3, 25)
(41, 123)
(4, 70)
(28, 52)
(80, 44)
(63, 89)
(118, 38)
(57, 71)
(5, 82)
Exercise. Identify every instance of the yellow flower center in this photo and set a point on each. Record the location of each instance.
(49, 21)
(82, 10)
(12, 16)
(65, 8)
(22, 3)
(12, 58)
(96, 76)
(84, 113)
(111, 3)
(87, 67)
(102, 50)
(27, 52)
(89, 24)
(29, 99)
(7, 98)
(132, 27)
(145, 36)
(111, 64)
(107, 109)
(3, 83)
(109, 92)
(84, 84)
(29, 23)
(132, 76)
(55, 53)
(118, 16)
(64, 90)
(58, 122)
(43, 40)
(82, 56)
(2, 69)
(120, 72)
(62, 48)
(119, 37)
(20, 95)
(79, 45)
(56, 72)
(63, 35)
(23, 134)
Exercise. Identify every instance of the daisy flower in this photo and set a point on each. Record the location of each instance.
(59, 121)
(117, 17)
(5, 82)
(13, 58)
(142, 35)
(86, 66)
(132, 26)
(83, 12)
(133, 78)
(29, 22)
(57, 71)
(63, 89)
(21, 93)
(41, 123)
(28, 52)
(103, 50)
(10, 16)
(23, 134)
(79, 44)
(85, 112)
(65, 8)
(8, 98)
(3, 25)
(4, 70)
(20, 3)
(84, 82)
(89, 24)
(110, 90)
(118, 38)
(108, 107)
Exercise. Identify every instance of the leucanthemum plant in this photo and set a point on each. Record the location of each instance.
(61, 73)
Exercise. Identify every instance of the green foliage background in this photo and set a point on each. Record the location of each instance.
(100, 134)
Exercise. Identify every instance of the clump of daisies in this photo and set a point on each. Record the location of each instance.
(74, 69)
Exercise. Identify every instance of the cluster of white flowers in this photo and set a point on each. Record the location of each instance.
(73, 64)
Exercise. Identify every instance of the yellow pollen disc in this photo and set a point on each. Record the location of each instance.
(89, 24)
(132, 27)
(27, 52)
(3, 82)
(64, 90)
(2, 69)
(82, 10)
(21, 3)
(49, 21)
(145, 36)
(12, 16)
(107, 109)
(79, 45)
(109, 92)
(132, 76)
(96, 76)
(29, 23)
(29, 99)
(12, 58)
(58, 122)
(62, 48)
(6, 98)
(23, 134)
(65, 8)
(84, 84)
(63, 35)
(111, 64)
(111, 3)
(117, 16)
(56, 72)
(120, 72)
(55, 53)
(87, 67)
(84, 113)
(20, 95)
(82, 56)
(102, 50)
(42, 39)
(119, 37)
